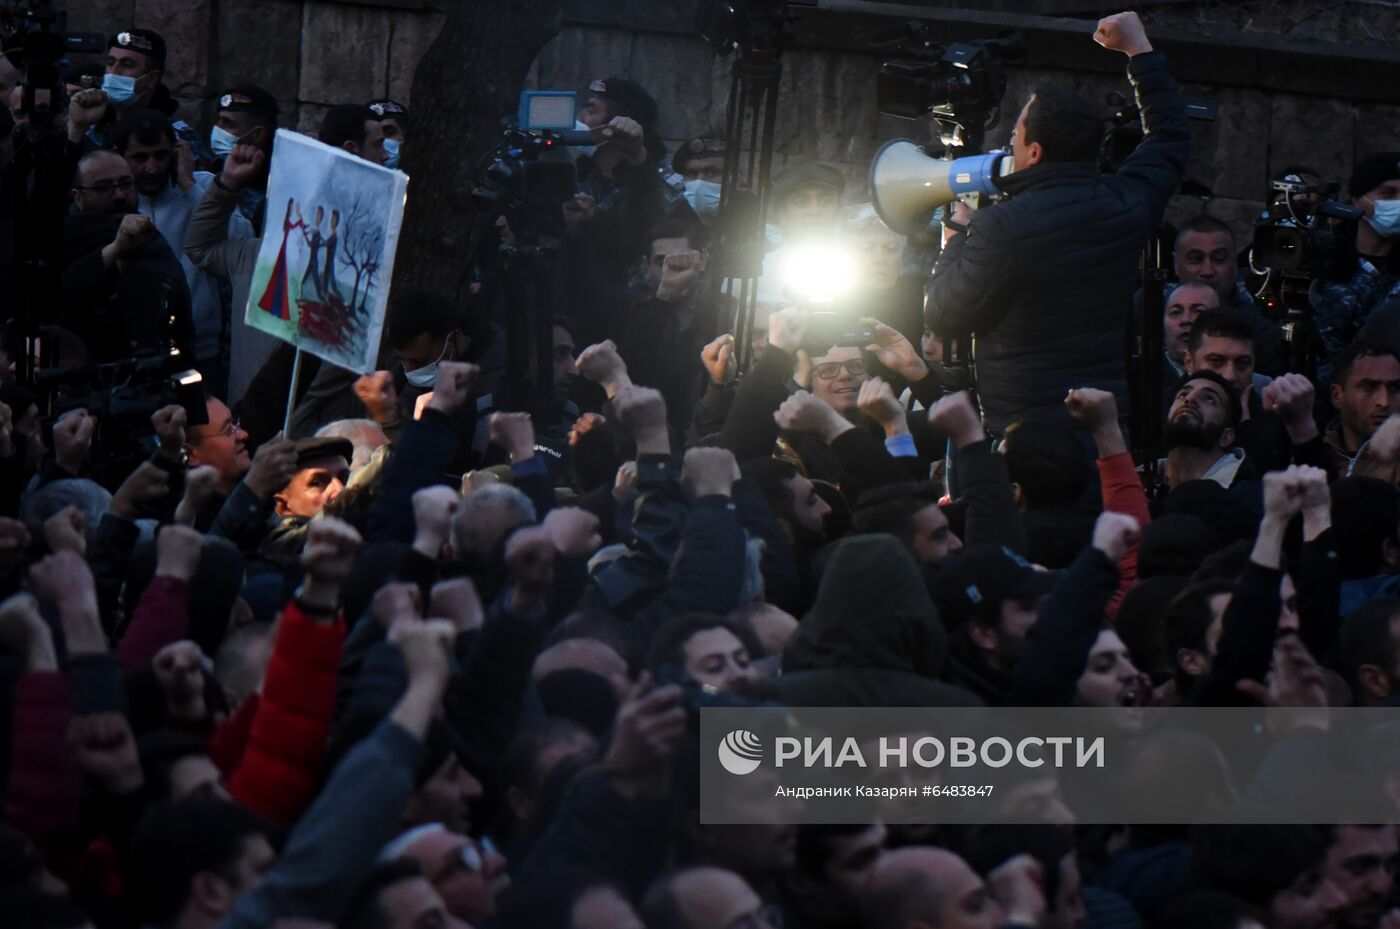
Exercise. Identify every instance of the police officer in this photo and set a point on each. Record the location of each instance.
(1343, 304)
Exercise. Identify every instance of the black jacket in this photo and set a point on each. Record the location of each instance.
(1045, 279)
(873, 637)
(134, 307)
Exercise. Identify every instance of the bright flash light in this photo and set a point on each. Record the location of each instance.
(819, 273)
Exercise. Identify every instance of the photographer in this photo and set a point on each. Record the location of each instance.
(1341, 305)
(1045, 280)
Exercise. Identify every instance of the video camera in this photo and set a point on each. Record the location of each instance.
(1302, 233)
(529, 175)
(36, 40)
(960, 85)
(123, 395)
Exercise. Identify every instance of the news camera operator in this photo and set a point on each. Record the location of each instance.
(1045, 279)
(1343, 303)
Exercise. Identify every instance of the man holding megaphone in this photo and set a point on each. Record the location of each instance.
(1045, 278)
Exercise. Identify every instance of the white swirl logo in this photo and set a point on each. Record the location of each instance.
(740, 752)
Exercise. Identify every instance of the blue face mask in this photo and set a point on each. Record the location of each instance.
(120, 90)
(391, 153)
(221, 141)
(1386, 218)
(703, 197)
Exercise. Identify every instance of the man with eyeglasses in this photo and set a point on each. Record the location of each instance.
(124, 291)
(468, 874)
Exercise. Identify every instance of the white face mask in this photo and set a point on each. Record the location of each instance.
(703, 197)
(426, 376)
(1386, 218)
(586, 150)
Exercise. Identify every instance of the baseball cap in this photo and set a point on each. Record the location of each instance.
(985, 574)
(630, 98)
(698, 147)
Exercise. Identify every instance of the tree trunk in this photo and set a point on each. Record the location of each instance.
(470, 77)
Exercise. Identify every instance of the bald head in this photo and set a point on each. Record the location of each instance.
(702, 898)
(929, 886)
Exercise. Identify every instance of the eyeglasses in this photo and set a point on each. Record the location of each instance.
(229, 431)
(106, 187)
(767, 915)
(831, 369)
(474, 854)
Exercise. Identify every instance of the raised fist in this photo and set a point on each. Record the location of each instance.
(1123, 32)
(709, 472)
(453, 386)
(241, 167)
(718, 359)
(809, 414)
(1115, 534)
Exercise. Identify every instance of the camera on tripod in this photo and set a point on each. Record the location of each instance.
(1303, 234)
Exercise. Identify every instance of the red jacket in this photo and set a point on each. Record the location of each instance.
(45, 787)
(281, 769)
(162, 616)
(1123, 493)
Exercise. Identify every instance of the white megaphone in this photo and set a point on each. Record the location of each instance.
(907, 184)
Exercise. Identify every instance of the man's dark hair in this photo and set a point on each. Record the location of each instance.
(1365, 515)
(1361, 348)
(693, 233)
(668, 643)
(1203, 222)
(1222, 322)
(813, 851)
(659, 908)
(1366, 638)
(520, 763)
(1232, 396)
(147, 127)
(160, 751)
(1205, 909)
(1256, 862)
(364, 911)
(567, 324)
(1047, 463)
(772, 475)
(1067, 125)
(345, 123)
(31, 908)
(1175, 543)
(1187, 621)
(177, 841)
(989, 847)
(415, 312)
(891, 509)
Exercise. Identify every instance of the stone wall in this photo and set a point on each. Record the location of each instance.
(313, 53)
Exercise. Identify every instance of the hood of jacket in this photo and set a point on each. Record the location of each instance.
(872, 611)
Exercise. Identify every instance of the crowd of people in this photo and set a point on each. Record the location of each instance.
(433, 657)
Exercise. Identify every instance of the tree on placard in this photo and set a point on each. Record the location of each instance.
(469, 78)
(361, 244)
